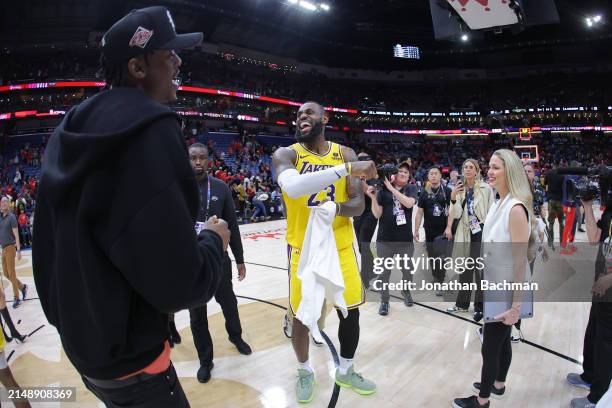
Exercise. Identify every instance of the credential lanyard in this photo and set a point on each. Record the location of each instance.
(207, 200)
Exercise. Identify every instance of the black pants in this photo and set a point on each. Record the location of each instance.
(471, 275)
(229, 305)
(496, 356)
(390, 250)
(597, 351)
(555, 211)
(162, 390)
(433, 252)
(364, 231)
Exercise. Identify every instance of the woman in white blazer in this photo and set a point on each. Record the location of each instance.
(511, 221)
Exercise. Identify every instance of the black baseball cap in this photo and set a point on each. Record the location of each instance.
(144, 30)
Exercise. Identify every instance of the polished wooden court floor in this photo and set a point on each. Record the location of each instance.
(418, 356)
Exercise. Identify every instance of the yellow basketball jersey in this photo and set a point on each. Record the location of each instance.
(297, 208)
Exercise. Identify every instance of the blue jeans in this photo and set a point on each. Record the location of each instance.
(260, 209)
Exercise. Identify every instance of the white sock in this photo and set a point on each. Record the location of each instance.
(305, 366)
(345, 364)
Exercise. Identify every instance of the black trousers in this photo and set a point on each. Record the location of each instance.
(390, 250)
(161, 390)
(433, 252)
(597, 351)
(496, 356)
(471, 275)
(229, 305)
(555, 210)
(364, 231)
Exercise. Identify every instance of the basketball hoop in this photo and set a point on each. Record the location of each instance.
(528, 153)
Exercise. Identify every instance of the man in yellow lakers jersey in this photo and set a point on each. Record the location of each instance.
(309, 173)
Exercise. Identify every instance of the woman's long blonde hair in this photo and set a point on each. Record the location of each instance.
(518, 185)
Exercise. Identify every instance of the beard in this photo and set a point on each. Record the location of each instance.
(314, 132)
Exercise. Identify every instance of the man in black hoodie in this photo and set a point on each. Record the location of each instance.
(115, 253)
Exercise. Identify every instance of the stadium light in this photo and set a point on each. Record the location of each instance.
(308, 5)
(465, 37)
(591, 21)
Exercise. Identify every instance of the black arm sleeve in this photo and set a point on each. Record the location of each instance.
(229, 215)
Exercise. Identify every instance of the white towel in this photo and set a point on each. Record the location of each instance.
(319, 269)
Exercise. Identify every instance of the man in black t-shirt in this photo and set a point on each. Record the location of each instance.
(597, 352)
(433, 204)
(554, 191)
(392, 206)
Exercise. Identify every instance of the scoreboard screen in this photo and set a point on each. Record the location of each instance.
(406, 51)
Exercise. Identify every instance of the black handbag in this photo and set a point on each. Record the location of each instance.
(456, 220)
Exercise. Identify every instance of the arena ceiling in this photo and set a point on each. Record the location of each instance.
(354, 33)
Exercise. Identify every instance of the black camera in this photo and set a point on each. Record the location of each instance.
(386, 171)
(581, 189)
(585, 188)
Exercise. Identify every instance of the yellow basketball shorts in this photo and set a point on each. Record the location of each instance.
(354, 292)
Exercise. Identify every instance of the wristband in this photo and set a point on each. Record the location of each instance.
(349, 167)
(338, 208)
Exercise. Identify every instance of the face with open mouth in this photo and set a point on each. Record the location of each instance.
(162, 75)
(309, 122)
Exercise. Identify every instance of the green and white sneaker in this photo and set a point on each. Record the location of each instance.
(304, 388)
(355, 381)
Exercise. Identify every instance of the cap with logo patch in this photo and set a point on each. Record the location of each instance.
(142, 31)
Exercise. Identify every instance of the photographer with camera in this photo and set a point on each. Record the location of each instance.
(365, 225)
(597, 352)
(433, 205)
(392, 206)
(471, 200)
